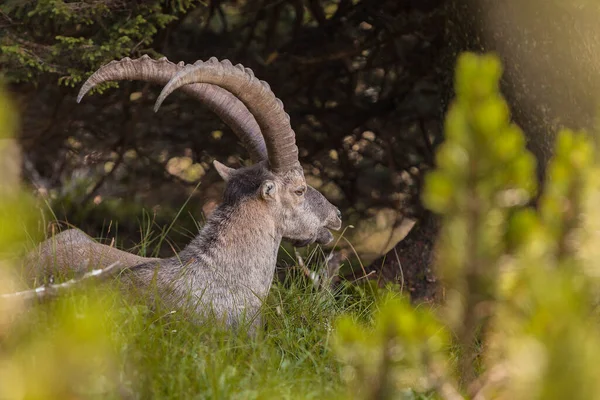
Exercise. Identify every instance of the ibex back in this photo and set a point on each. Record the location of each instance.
(228, 268)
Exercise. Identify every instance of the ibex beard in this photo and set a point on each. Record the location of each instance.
(227, 270)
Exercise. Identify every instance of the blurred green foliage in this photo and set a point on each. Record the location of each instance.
(64, 352)
(13, 204)
(92, 32)
(398, 355)
(483, 172)
(519, 319)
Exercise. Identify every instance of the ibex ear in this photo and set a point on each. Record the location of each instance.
(223, 170)
(268, 190)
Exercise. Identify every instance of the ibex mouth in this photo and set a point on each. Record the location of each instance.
(322, 237)
(336, 225)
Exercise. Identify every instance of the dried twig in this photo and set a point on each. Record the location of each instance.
(400, 268)
(47, 292)
(333, 264)
(366, 276)
(327, 276)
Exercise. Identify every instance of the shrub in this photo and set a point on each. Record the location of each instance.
(518, 314)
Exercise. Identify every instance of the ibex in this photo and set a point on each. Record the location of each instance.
(228, 268)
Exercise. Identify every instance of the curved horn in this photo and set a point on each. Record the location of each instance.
(256, 95)
(231, 110)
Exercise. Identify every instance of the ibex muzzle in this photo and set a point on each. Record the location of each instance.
(228, 268)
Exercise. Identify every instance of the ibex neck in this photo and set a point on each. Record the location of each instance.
(238, 244)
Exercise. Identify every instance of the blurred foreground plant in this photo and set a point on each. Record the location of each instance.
(404, 351)
(71, 355)
(520, 282)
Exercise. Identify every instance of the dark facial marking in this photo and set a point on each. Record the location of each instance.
(244, 183)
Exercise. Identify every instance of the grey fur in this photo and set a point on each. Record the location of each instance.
(230, 265)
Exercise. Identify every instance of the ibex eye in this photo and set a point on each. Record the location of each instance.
(300, 191)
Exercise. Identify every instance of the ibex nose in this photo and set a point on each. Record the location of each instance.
(339, 213)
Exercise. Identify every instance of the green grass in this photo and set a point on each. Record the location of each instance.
(291, 358)
(161, 355)
(93, 343)
(144, 354)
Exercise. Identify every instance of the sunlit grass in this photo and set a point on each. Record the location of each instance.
(159, 354)
(93, 343)
(109, 346)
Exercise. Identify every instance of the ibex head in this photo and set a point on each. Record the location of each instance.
(304, 214)
(276, 181)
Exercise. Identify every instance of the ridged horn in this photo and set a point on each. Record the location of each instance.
(256, 95)
(228, 107)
